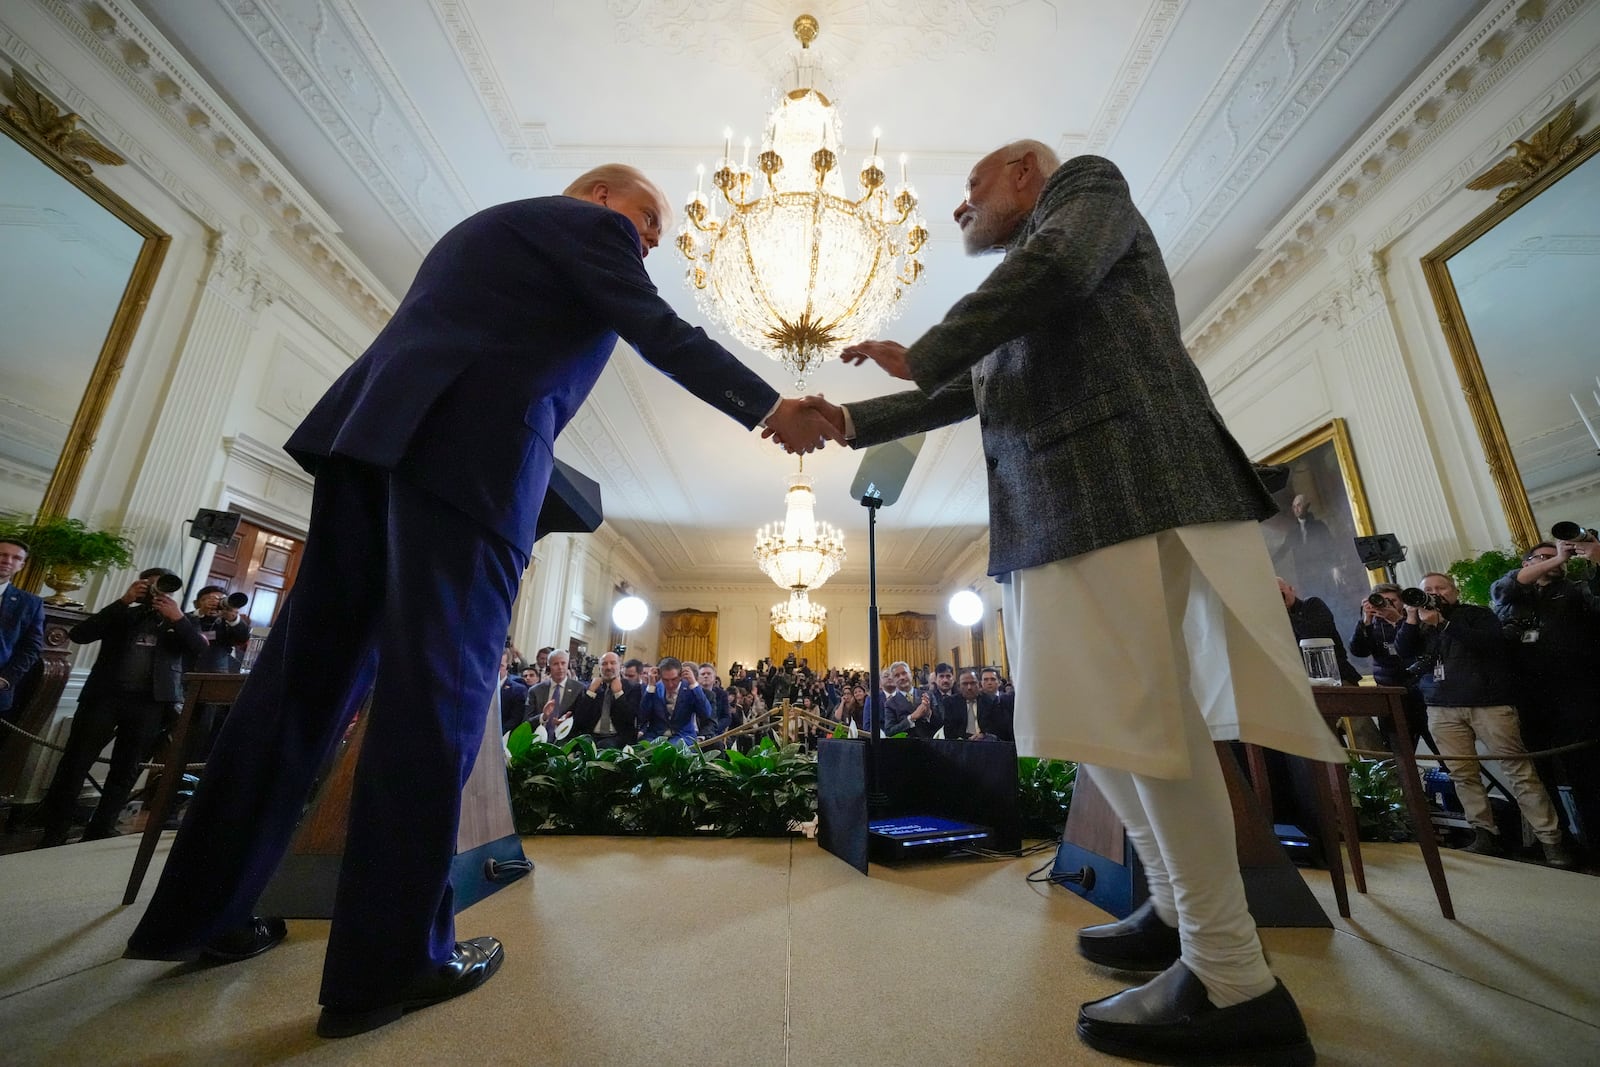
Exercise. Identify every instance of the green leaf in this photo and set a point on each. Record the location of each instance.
(520, 741)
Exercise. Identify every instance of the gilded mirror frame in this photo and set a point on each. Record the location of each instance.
(15, 123)
(1452, 319)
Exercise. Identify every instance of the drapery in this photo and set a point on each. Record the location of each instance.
(814, 651)
(910, 637)
(688, 635)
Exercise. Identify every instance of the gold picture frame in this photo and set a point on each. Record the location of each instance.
(1313, 544)
(35, 124)
(1548, 155)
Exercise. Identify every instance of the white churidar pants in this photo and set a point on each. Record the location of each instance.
(1133, 658)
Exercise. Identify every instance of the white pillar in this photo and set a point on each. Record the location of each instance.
(177, 474)
(1391, 445)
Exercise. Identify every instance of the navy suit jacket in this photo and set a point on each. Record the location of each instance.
(21, 639)
(505, 330)
(655, 721)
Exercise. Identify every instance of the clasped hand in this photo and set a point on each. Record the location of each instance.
(805, 424)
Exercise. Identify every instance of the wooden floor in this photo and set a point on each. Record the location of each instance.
(691, 951)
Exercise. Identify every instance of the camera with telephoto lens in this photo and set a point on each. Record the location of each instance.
(1571, 531)
(1416, 598)
(237, 601)
(166, 583)
(1377, 600)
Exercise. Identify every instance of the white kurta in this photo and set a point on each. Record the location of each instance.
(1105, 646)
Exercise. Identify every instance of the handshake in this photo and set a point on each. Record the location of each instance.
(805, 424)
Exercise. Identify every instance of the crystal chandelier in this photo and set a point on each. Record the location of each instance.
(799, 553)
(798, 269)
(798, 620)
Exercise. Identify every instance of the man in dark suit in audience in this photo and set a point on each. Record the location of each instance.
(970, 714)
(716, 696)
(513, 694)
(553, 699)
(21, 627)
(432, 454)
(608, 710)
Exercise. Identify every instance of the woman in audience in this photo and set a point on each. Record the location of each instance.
(850, 705)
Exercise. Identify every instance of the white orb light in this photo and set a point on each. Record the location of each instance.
(629, 613)
(966, 607)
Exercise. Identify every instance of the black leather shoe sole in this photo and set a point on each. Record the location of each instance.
(1107, 953)
(246, 942)
(1300, 1054)
(335, 1023)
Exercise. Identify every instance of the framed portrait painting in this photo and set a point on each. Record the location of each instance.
(1321, 511)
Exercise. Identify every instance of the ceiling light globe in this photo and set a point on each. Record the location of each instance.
(629, 613)
(966, 608)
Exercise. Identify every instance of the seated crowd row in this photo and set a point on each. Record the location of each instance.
(689, 704)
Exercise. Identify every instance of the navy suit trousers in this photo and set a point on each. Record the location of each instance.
(400, 594)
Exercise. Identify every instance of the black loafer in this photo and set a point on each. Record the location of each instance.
(251, 939)
(473, 964)
(1141, 942)
(1171, 1020)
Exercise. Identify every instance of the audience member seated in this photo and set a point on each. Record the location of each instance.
(135, 684)
(1553, 624)
(608, 710)
(717, 697)
(973, 715)
(552, 700)
(513, 695)
(1374, 637)
(851, 706)
(669, 707)
(912, 712)
(21, 627)
(1465, 676)
(944, 683)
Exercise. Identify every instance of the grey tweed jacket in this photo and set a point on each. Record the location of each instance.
(1097, 426)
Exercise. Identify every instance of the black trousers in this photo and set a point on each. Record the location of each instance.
(134, 721)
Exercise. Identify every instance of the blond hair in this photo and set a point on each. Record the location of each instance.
(617, 175)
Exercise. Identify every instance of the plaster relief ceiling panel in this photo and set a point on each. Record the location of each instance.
(402, 116)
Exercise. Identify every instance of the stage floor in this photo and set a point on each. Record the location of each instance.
(746, 952)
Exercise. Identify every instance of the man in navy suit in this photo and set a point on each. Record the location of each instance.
(669, 707)
(432, 453)
(21, 626)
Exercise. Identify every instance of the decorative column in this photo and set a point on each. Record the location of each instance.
(1403, 482)
(176, 476)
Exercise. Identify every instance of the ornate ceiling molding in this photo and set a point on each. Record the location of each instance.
(326, 56)
(1129, 80)
(1283, 85)
(758, 35)
(1482, 55)
(129, 47)
(454, 16)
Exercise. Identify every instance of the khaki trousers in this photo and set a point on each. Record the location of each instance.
(1457, 730)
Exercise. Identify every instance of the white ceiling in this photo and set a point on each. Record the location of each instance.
(403, 116)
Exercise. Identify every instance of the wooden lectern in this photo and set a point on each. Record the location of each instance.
(488, 848)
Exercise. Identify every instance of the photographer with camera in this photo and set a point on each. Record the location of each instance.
(218, 617)
(1465, 677)
(1553, 624)
(135, 684)
(1374, 637)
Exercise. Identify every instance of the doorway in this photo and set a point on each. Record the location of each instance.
(261, 564)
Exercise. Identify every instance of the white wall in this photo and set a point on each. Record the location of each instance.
(1335, 319)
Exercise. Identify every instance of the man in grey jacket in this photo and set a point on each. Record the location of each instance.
(1123, 520)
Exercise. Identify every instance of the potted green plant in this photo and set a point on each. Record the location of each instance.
(67, 551)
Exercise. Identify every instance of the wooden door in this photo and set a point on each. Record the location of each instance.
(259, 563)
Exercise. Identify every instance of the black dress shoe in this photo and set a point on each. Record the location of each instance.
(1141, 942)
(251, 939)
(473, 964)
(1171, 1020)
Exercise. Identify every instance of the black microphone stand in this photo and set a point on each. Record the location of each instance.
(877, 800)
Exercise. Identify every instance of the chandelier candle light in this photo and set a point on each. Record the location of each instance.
(798, 620)
(796, 268)
(799, 553)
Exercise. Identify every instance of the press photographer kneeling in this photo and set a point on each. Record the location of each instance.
(1553, 624)
(1465, 676)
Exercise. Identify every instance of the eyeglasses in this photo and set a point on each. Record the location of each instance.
(966, 190)
(1531, 559)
